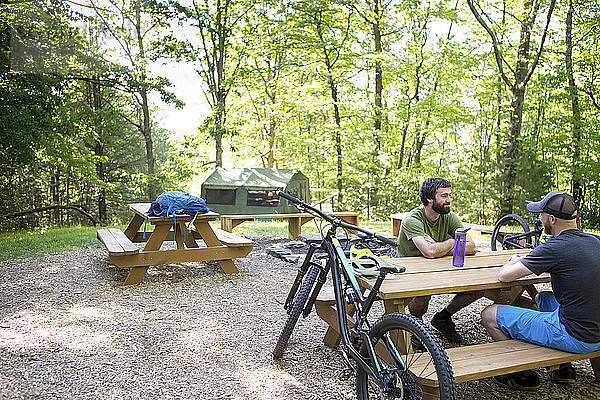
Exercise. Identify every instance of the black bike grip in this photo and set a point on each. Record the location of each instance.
(385, 240)
(288, 197)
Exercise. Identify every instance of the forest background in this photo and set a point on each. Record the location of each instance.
(368, 97)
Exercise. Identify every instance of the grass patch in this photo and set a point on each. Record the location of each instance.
(280, 228)
(34, 243)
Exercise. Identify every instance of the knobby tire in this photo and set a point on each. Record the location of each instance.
(405, 385)
(510, 219)
(296, 309)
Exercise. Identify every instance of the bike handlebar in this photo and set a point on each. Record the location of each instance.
(332, 218)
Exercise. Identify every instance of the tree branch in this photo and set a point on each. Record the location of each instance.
(540, 49)
(497, 51)
(52, 207)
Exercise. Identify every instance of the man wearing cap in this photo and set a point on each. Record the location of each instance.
(428, 230)
(569, 316)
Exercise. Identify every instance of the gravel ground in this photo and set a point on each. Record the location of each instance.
(68, 329)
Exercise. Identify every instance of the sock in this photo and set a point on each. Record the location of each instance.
(444, 314)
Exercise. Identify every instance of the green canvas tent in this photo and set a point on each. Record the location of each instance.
(253, 190)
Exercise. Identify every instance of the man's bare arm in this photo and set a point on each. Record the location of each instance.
(470, 247)
(432, 249)
(513, 270)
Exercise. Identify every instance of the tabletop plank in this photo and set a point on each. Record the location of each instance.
(452, 281)
(483, 260)
(142, 208)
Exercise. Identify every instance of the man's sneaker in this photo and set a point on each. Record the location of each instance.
(524, 380)
(564, 375)
(417, 345)
(446, 328)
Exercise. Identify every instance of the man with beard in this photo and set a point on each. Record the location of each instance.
(428, 230)
(569, 316)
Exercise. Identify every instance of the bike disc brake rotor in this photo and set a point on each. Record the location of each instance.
(393, 391)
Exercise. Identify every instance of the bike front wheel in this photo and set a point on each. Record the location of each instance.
(511, 232)
(295, 309)
(411, 359)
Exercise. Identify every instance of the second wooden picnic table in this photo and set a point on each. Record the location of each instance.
(183, 229)
(295, 220)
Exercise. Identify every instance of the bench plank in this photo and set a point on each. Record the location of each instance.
(116, 242)
(497, 358)
(232, 240)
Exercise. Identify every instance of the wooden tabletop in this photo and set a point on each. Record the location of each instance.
(479, 260)
(435, 276)
(142, 208)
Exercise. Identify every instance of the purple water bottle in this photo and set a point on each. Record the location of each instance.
(460, 240)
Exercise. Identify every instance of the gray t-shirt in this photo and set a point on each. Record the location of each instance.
(573, 261)
(416, 224)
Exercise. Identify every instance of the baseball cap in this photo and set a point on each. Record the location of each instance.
(557, 203)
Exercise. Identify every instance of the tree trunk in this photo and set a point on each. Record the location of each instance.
(146, 123)
(511, 153)
(55, 194)
(404, 134)
(271, 154)
(99, 148)
(147, 132)
(337, 135)
(576, 114)
(522, 74)
(378, 75)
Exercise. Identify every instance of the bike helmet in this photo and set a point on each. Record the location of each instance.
(365, 263)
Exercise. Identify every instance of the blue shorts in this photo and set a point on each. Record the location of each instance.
(540, 327)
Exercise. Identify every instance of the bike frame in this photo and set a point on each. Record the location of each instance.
(341, 265)
(345, 284)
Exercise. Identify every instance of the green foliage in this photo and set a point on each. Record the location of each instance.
(286, 81)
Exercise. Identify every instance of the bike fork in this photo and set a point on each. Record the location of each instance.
(301, 272)
(322, 278)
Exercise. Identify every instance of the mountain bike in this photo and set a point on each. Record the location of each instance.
(380, 353)
(512, 231)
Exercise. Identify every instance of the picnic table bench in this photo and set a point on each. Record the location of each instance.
(437, 276)
(217, 245)
(295, 220)
(398, 217)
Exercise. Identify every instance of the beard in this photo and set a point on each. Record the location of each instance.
(547, 228)
(441, 208)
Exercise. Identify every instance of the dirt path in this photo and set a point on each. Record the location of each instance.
(69, 330)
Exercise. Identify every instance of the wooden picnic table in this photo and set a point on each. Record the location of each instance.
(437, 276)
(217, 245)
(295, 220)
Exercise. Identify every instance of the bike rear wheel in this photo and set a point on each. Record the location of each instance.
(420, 367)
(295, 310)
(511, 232)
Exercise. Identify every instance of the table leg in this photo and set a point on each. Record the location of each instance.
(190, 242)
(136, 274)
(396, 226)
(158, 236)
(211, 240)
(294, 224)
(402, 340)
(134, 226)
(179, 234)
(226, 224)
